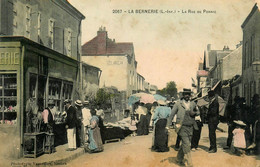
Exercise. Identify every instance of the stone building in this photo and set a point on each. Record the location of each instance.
(54, 24)
(115, 59)
(40, 45)
(251, 54)
(90, 81)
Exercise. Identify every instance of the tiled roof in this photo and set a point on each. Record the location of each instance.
(102, 45)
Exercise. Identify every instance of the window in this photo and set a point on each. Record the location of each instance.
(39, 26)
(55, 91)
(69, 42)
(8, 99)
(14, 16)
(51, 33)
(67, 90)
(28, 21)
(32, 87)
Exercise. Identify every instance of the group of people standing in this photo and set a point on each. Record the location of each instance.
(82, 123)
(243, 123)
(188, 125)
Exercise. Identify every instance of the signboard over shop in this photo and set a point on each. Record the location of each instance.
(202, 73)
(9, 56)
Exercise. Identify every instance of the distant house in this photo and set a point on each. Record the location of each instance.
(116, 60)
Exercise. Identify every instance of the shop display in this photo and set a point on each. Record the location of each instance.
(8, 99)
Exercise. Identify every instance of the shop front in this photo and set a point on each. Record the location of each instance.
(30, 76)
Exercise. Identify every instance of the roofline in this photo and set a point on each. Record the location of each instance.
(250, 15)
(140, 75)
(83, 63)
(70, 7)
(232, 52)
(114, 54)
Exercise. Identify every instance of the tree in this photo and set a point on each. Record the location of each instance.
(169, 90)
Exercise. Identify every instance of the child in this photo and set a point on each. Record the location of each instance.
(239, 137)
(132, 126)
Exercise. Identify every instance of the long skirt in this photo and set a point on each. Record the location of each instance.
(142, 126)
(161, 136)
(95, 141)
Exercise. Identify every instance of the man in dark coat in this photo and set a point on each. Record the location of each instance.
(71, 123)
(213, 120)
(233, 113)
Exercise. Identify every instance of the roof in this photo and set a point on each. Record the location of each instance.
(215, 55)
(254, 9)
(69, 8)
(140, 75)
(102, 45)
(88, 65)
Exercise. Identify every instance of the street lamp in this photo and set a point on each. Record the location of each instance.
(256, 66)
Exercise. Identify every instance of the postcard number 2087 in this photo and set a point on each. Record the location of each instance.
(117, 11)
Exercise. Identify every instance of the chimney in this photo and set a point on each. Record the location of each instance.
(208, 47)
(224, 48)
(101, 40)
(227, 48)
(114, 40)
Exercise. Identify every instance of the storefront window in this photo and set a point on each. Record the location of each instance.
(33, 81)
(55, 91)
(67, 90)
(8, 99)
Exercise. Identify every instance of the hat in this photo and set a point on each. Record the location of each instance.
(186, 91)
(161, 102)
(67, 101)
(240, 123)
(86, 102)
(51, 102)
(78, 103)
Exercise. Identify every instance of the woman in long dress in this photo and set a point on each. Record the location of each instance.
(95, 141)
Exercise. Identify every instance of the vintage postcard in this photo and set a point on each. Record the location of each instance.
(130, 83)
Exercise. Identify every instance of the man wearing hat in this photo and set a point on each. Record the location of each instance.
(71, 122)
(80, 127)
(213, 120)
(186, 111)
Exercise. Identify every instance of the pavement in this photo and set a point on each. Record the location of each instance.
(136, 151)
(59, 158)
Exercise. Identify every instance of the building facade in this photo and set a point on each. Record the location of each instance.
(54, 24)
(90, 81)
(116, 60)
(140, 82)
(251, 54)
(40, 51)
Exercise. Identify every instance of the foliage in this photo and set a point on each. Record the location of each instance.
(169, 90)
(103, 97)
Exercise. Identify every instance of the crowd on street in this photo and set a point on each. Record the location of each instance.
(188, 118)
(84, 124)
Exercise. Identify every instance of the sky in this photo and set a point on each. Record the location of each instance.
(168, 46)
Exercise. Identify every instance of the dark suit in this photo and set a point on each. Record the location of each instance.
(71, 120)
(213, 120)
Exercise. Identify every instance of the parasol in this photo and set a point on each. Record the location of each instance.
(204, 101)
(142, 97)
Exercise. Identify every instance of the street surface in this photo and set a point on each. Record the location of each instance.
(136, 152)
